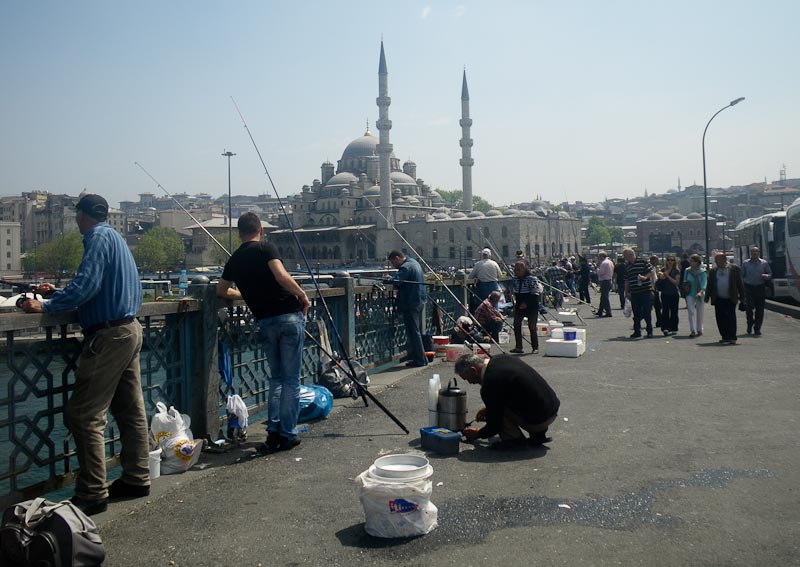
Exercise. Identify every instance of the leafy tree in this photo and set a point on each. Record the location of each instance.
(61, 256)
(456, 199)
(159, 249)
(597, 232)
(616, 233)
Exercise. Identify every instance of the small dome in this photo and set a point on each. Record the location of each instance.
(458, 215)
(396, 193)
(343, 178)
(409, 162)
(476, 215)
(511, 212)
(563, 215)
(440, 216)
(694, 216)
(441, 210)
(412, 200)
(375, 190)
(675, 216)
(400, 178)
(494, 213)
(327, 163)
(655, 216)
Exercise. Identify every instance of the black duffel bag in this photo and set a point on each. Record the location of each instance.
(48, 534)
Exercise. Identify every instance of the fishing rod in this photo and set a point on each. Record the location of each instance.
(439, 279)
(362, 391)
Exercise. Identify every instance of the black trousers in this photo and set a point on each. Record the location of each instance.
(669, 313)
(725, 313)
(756, 296)
(531, 311)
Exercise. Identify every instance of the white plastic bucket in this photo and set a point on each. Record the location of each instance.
(503, 338)
(452, 352)
(557, 333)
(155, 464)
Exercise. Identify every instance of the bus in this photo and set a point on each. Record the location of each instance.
(777, 235)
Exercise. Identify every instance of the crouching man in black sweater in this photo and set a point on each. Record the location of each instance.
(517, 398)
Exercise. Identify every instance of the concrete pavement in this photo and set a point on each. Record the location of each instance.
(667, 451)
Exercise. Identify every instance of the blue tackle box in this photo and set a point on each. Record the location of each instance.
(440, 440)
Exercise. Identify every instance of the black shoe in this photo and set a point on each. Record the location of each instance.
(757, 333)
(287, 443)
(666, 333)
(516, 351)
(90, 507)
(120, 489)
(509, 445)
(636, 335)
(273, 439)
(539, 440)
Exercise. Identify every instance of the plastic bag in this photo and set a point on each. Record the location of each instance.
(339, 382)
(171, 432)
(238, 417)
(316, 402)
(628, 311)
(398, 509)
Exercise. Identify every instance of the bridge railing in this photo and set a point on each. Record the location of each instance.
(180, 367)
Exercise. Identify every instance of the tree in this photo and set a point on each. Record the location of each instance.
(456, 199)
(160, 249)
(597, 232)
(617, 234)
(60, 257)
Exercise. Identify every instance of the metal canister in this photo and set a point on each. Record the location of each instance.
(453, 407)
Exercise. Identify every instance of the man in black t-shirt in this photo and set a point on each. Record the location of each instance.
(279, 305)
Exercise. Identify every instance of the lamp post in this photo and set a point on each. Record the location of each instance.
(705, 185)
(229, 155)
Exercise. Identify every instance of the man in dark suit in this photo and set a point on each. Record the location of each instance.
(724, 290)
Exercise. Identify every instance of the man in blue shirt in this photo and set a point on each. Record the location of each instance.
(107, 293)
(411, 298)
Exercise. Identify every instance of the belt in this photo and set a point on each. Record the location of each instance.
(89, 331)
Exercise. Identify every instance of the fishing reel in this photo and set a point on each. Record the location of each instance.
(25, 296)
(378, 286)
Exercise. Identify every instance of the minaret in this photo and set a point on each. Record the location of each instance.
(466, 147)
(384, 148)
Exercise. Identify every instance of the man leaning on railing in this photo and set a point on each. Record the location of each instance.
(107, 294)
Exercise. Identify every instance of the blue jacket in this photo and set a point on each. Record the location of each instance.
(410, 294)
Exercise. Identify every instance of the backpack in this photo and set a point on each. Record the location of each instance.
(339, 382)
(47, 534)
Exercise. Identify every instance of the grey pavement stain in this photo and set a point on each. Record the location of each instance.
(471, 519)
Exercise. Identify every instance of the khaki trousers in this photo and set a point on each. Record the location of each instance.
(513, 425)
(109, 379)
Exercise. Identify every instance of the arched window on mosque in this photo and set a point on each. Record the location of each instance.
(486, 231)
(451, 235)
(469, 233)
(435, 253)
(504, 232)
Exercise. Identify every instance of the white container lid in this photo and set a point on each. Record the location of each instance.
(401, 467)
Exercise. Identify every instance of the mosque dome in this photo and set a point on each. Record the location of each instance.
(375, 190)
(440, 216)
(494, 213)
(400, 178)
(343, 178)
(511, 212)
(365, 146)
(675, 216)
(655, 216)
(458, 215)
(563, 215)
(476, 215)
(694, 216)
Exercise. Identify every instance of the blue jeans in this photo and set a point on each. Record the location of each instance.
(485, 288)
(412, 319)
(642, 306)
(282, 338)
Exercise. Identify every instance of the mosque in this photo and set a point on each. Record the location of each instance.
(367, 205)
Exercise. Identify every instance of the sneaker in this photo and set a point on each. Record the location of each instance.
(516, 351)
(121, 489)
(535, 351)
(90, 507)
(288, 443)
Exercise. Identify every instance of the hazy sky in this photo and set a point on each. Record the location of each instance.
(571, 100)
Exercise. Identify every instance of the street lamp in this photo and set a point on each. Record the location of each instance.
(229, 155)
(705, 186)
